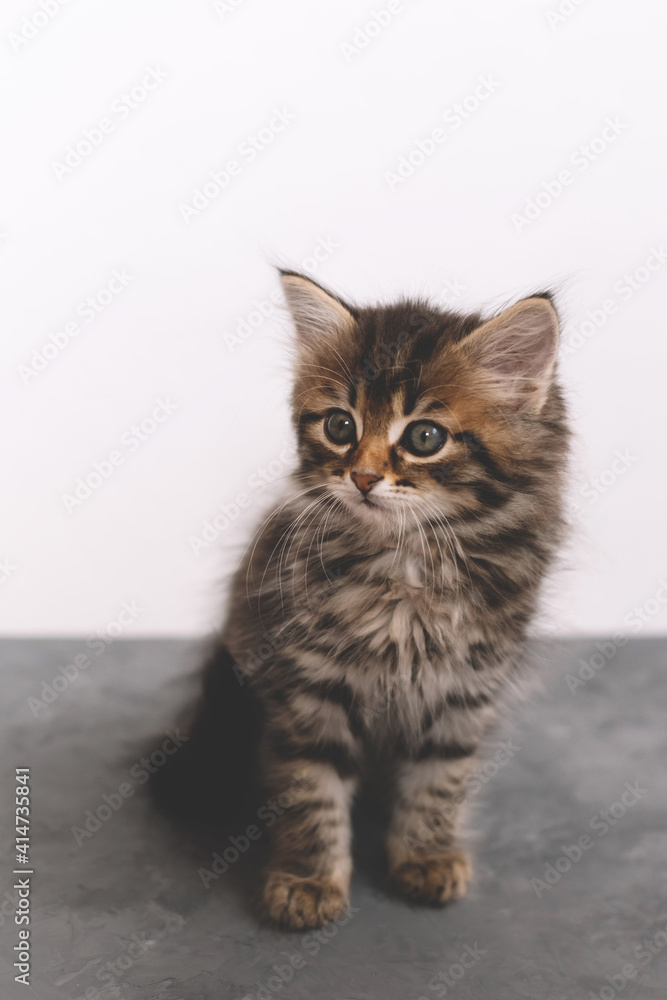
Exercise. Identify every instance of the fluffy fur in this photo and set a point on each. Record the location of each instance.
(382, 607)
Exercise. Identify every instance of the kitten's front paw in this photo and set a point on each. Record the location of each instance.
(295, 902)
(437, 880)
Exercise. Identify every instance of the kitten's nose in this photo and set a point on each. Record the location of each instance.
(364, 481)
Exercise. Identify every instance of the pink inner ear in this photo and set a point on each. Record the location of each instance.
(521, 342)
(317, 315)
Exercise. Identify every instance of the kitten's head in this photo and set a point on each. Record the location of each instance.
(408, 414)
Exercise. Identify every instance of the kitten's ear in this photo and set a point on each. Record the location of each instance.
(518, 349)
(316, 313)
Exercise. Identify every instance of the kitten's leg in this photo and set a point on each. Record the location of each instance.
(425, 859)
(310, 867)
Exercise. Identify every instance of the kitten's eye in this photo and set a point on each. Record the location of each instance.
(339, 427)
(424, 438)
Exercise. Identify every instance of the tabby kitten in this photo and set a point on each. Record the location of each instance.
(382, 607)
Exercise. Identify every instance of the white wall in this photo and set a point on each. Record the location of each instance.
(446, 230)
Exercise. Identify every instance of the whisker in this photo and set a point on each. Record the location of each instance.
(323, 502)
(287, 535)
(278, 510)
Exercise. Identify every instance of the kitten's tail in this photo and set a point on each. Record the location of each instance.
(212, 776)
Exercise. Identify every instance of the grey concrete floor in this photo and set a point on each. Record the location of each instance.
(122, 911)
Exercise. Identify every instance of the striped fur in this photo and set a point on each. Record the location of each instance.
(386, 624)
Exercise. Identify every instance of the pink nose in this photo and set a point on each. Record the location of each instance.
(365, 481)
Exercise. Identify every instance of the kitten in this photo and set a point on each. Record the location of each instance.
(381, 608)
